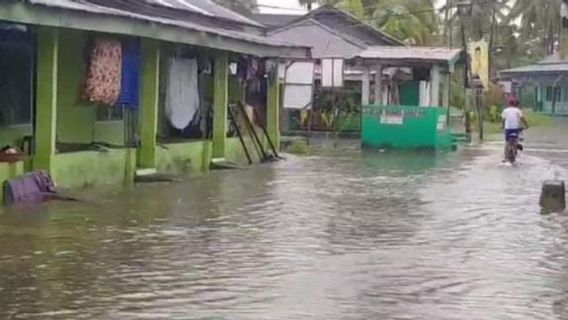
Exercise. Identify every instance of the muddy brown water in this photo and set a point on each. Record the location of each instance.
(342, 234)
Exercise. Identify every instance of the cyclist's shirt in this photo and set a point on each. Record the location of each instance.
(512, 117)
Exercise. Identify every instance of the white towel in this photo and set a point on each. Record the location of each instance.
(182, 95)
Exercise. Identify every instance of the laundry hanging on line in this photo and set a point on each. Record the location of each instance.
(104, 75)
(182, 95)
(129, 96)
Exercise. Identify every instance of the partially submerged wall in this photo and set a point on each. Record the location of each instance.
(94, 168)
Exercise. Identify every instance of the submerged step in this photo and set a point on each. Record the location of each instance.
(222, 164)
(146, 172)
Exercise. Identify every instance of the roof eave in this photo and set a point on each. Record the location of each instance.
(88, 21)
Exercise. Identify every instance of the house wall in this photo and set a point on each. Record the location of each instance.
(94, 168)
(77, 118)
(13, 135)
(76, 123)
(545, 103)
(194, 157)
(184, 158)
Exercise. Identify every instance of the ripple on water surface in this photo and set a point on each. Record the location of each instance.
(342, 235)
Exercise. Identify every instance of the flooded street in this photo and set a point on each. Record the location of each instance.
(342, 234)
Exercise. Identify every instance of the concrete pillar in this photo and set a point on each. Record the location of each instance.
(553, 196)
(365, 86)
(220, 103)
(149, 103)
(446, 93)
(273, 108)
(378, 85)
(435, 85)
(46, 91)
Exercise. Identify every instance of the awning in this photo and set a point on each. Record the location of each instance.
(404, 56)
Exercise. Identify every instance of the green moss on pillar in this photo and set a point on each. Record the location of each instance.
(273, 108)
(149, 103)
(46, 105)
(220, 103)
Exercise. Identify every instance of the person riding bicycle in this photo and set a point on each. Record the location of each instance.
(513, 120)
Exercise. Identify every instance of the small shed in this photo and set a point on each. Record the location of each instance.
(407, 114)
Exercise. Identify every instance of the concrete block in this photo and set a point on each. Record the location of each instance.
(553, 195)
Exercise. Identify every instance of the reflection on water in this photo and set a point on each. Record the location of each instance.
(342, 235)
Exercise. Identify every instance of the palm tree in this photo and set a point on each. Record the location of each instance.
(539, 20)
(413, 21)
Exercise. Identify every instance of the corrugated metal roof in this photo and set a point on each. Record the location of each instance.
(129, 10)
(325, 42)
(552, 64)
(275, 20)
(553, 58)
(538, 68)
(433, 54)
(206, 7)
(346, 24)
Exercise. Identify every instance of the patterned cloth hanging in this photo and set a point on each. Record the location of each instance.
(105, 72)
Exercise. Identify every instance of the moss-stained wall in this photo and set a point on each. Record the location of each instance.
(194, 157)
(184, 158)
(90, 168)
(7, 172)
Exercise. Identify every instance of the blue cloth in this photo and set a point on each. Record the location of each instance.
(130, 85)
(512, 132)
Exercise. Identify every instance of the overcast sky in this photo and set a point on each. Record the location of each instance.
(291, 6)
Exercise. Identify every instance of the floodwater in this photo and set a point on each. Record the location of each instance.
(342, 234)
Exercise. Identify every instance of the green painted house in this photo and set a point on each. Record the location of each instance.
(43, 53)
(549, 79)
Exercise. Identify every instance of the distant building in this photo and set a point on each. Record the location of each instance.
(549, 77)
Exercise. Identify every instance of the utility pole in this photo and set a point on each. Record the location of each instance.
(563, 46)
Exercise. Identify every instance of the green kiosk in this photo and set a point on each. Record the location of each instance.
(411, 113)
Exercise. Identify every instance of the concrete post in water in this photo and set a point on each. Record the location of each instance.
(435, 85)
(220, 103)
(553, 195)
(46, 117)
(149, 103)
(446, 94)
(365, 86)
(273, 107)
(379, 85)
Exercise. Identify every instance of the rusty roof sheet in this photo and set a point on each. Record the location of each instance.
(133, 13)
(414, 54)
